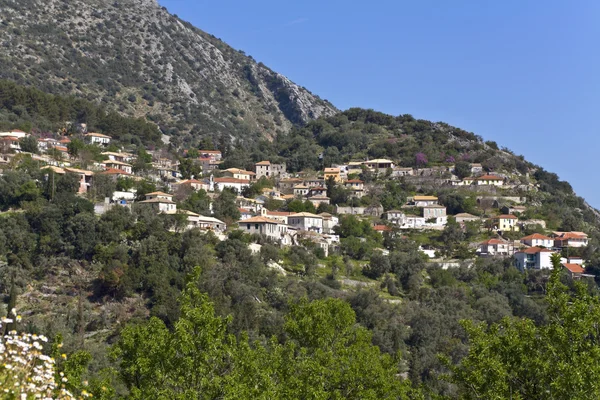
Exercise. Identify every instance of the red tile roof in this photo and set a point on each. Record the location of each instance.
(505, 216)
(354, 181)
(535, 250)
(259, 220)
(536, 236)
(113, 171)
(493, 241)
(382, 228)
(574, 268)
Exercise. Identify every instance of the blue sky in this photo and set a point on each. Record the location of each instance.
(523, 73)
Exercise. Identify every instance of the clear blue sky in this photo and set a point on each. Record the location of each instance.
(523, 73)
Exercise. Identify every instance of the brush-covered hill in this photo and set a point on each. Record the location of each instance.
(135, 57)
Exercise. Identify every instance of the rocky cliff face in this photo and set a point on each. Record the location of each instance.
(134, 55)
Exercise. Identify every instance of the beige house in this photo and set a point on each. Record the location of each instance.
(423, 201)
(301, 190)
(265, 168)
(379, 165)
(506, 222)
(160, 202)
(332, 173)
(466, 217)
(239, 174)
(264, 226)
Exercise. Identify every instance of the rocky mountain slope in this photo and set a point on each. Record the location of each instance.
(134, 56)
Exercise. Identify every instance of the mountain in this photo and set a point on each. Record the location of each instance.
(135, 57)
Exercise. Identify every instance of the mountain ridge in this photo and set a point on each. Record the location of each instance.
(150, 63)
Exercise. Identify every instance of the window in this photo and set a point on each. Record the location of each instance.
(255, 226)
(248, 226)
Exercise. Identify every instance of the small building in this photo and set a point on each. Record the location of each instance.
(379, 165)
(281, 216)
(194, 184)
(85, 178)
(317, 191)
(382, 228)
(575, 271)
(239, 174)
(231, 183)
(287, 185)
(570, 239)
(10, 144)
(114, 164)
(329, 222)
(492, 180)
(269, 170)
(332, 173)
(434, 211)
(466, 217)
(122, 157)
(476, 168)
(301, 190)
(496, 247)
(394, 215)
(160, 202)
(423, 201)
(318, 200)
(533, 258)
(97, 138)
(245, 213)
(212, 155)
(506, 222)
(270, 228)
(16, 133)
(538, 240)
(314, 182)
(402, 171)
(306, 221)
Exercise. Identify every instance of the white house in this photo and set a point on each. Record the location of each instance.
(492, 180)
(538, 240)
(239, 174)
(329, 222)
(533, 258)
(231, 183)
(97, 138)
(264, 226)
(306, 221)
(394, 215)
(379, 165)
(422, 201)
(301, 190)
(160, 202)
(120, 165)
(17, 133)
(570, 239)
(496, 247)
(466, 217)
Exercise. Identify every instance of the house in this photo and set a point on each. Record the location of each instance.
(314, 182)
(160, 202)
(212, 155)
(317, 191)
(206, 223)
(467, 181)
(514, 209)
(10, 144)
(332, 173)
(356, 186)
(506, 222)
(329, 222)
(264, 226)
(318, 200)
(239, 174)
(113, 164)
(265, 168)
(287, 185)
(85, 178)
(422, 201)
(465, 217)
(301, 190)
(575, 271)
(97, 138)
(195, 184)
(533, 258)
(379, 165)
(489, 180)
(476, 168)
(434, 211)
(394, 215)
(495, 247)
(122, 157)
(570, 239)
(46, 143)
(114, 173)
(231, 183)
(306, 221)
(281, 216)
(538, 240)
(16, 133)
(245, 213)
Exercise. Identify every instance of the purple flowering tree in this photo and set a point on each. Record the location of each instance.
(421, 159)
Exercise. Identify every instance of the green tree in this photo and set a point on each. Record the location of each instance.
(462, 169)
(75, 146)
(225, 207)
(29, 145)
(518, 359)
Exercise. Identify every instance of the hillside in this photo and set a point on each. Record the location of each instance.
(134, 57)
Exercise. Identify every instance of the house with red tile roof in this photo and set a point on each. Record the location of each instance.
(570, 239)
(574, 270)
(533, 258)
(496, 247)
(538, 240)
(492, 180)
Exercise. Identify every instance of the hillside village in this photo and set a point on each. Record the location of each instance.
(297, 208)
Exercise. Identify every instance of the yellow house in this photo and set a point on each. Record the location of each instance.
(333, 172)
(507, 222)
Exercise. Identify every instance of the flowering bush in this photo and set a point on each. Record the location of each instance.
(25, 371)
